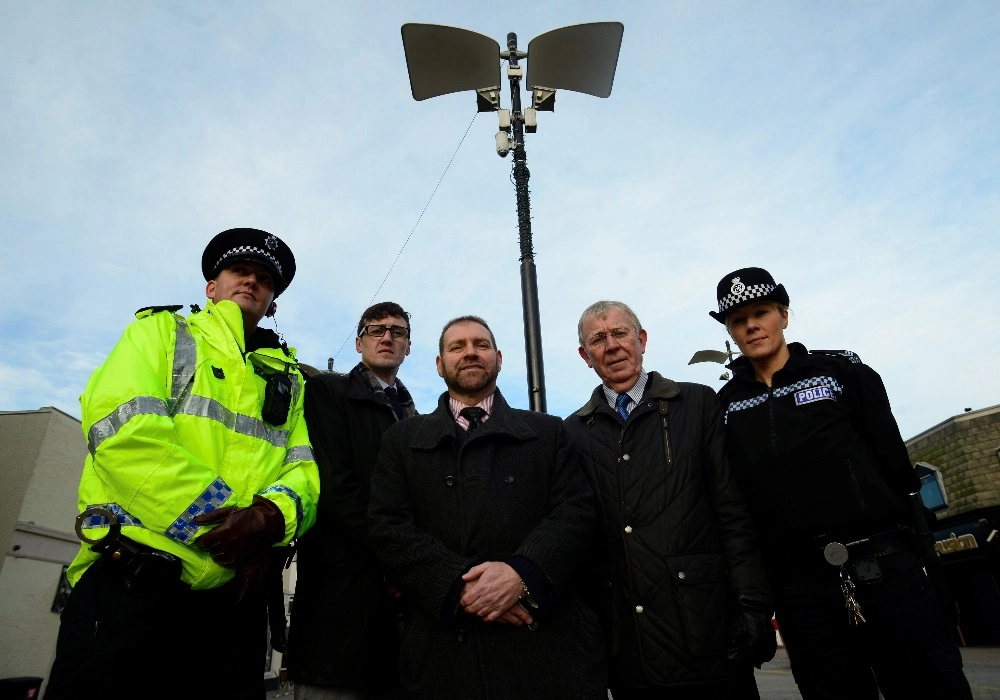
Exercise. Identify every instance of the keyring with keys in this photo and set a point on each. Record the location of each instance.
(836, 554)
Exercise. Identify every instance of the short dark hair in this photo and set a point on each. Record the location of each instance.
(465, 319)
(376, 312)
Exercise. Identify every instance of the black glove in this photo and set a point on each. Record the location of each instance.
(751, 635)
(242, 533)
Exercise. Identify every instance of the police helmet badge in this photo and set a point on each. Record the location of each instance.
(250, 244)
(746, 286)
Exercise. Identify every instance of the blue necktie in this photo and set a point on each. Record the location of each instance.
(393, 396)
(621, 405)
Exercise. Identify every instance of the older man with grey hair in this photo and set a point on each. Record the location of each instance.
(678, 579)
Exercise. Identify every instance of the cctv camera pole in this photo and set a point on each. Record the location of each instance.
(529, 280)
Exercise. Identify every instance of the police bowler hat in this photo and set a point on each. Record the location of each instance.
(747, 286)
(253, 245)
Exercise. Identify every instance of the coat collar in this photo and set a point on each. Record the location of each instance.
(742, 368)
(440, 425)
(657, 387)
(223, 320)
(231, 317)
(364, 386)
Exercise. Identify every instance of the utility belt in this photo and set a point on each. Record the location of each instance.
(863, 555)
(824, 554)
(147, 571)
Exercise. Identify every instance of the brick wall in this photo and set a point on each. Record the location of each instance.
(964, 448)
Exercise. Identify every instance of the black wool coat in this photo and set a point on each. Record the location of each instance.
(343, 630)
(678, 547)
(439, 505)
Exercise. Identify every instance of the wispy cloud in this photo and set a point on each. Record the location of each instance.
(851, 149)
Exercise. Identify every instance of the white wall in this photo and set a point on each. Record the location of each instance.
(42, 454)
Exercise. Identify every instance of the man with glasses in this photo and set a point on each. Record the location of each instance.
(678, 578)
(344, 639)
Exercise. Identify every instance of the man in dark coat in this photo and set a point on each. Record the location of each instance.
(482, 515)
(686, 606)
(344, 638)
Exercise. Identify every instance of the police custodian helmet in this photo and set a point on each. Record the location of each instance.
(747, 286)
(253, 245)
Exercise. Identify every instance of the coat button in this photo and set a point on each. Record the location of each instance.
(461, 635)
(639, 609)
(628, 529)
(626, 457)
(449, 481)
(681, 575)
(509, 479)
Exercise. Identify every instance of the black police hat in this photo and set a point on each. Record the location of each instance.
(746, 286)
(253, 245)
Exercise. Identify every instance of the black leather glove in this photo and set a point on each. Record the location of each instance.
(242, 533)
(751, 635)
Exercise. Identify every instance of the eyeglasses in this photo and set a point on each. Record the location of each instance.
(600, 339)
(379, 331)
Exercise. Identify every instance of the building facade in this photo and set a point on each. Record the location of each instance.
(958, 462)
(41, 457)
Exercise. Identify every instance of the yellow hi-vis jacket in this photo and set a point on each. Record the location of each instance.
(173, 424)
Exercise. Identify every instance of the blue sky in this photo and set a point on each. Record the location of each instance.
(849, 147)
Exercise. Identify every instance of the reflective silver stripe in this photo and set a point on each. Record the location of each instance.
(192, 405)
(281, 488)
(217, 493)
(106, 427)
(301, 453)
(185, 359)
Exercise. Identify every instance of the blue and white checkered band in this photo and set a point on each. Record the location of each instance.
(271, 242)
(299, 510)
(740, 293)
(812, 389)
(744, 404)
(832, 386)
(851, 356)
(123, 516)
(251, 250)
(214, 496)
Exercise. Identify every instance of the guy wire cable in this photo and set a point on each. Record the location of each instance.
(412, 230)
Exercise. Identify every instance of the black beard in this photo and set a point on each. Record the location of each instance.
(455, 383)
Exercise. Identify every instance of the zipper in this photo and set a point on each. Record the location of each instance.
(770, 420)
(856, 484)
(666, 439)
(630, 601)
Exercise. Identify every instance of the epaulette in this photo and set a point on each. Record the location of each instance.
(847, 354)
(150, 310)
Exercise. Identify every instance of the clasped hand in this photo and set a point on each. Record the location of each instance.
(491, 591)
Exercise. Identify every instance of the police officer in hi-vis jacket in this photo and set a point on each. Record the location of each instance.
(199, 466)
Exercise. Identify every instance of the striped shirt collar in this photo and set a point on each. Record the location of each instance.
(635, 393)
(456, 406)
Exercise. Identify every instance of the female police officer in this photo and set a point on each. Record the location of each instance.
(815, 448)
